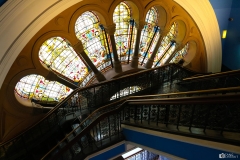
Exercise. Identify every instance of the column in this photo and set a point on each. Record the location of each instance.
(150, 61)
(134, 63)
(54, 77)
(179, 47)
(79, 49)
(117, 64)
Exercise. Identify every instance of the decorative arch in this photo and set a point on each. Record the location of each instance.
(125, 34)
(167, 46)
(57, 54)
(94, 39)
(191, 53)
(37, 88)
(150, 35)
(164, 13)
(96, 9)
(136, 9)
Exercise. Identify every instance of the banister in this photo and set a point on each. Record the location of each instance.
(213, 75)
(222, 99)
(88, 87)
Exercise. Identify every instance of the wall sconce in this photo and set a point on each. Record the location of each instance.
(224, 34)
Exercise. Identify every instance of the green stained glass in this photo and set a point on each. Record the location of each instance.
(180, 54)
(164, 51)
(125, 34)
(60, 56)
(88, 30)
(36, 87)
(149, 36)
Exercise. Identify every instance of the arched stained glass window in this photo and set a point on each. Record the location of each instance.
(125, 34)
(180, 54)
(60, 56)
(36, 87)
(167, 46)
(149, 36)
(93, 38)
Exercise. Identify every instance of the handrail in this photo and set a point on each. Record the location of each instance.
(164, 101)
(213, 75)
(88, 87)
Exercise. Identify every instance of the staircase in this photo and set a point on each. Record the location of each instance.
(77, 136)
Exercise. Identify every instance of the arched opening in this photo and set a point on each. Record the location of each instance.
(37, 89)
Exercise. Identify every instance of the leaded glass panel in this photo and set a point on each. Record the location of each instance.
(168, 53)
(149, 36)
(60, 56)
(180, 54)
(37, 88)
(125, 30)
(165, 44)
(93, 38)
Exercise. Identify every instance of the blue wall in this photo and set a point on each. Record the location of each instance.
(2, 2)
(180, 149)
(111, 153)
(224, 9)
(231, 52)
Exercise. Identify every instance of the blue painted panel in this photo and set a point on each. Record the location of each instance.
(231, 52)
(111, 153)
(180, 149)
(2, 2)
(216, 4)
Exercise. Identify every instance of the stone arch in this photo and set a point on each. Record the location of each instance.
(96, 9)
(135, 6)
(183, 28)
(41, 40)
(163, 14)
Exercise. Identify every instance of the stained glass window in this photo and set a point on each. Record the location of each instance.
(93, 38)
(149, 36)
(180, 54)
(167, 46)
(125, 34)
(60, 56)
(36, 87)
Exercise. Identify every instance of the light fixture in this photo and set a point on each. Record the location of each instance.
(224, 34)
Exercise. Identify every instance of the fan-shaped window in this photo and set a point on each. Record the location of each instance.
(125, 34)
(94, 39)
(37, 88)
(60, 56)
(149, 36)
(126, 91)
(180, 54)
(167, 46)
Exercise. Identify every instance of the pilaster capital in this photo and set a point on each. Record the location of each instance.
(78, 47)
(110, 29)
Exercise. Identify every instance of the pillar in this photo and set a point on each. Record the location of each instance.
(54, 77)
(134, 63)
(117, 64)
(150, 61)
(179, 47)
(79, 49)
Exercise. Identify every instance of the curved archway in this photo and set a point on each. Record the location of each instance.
(57, 54)
(35, 87)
